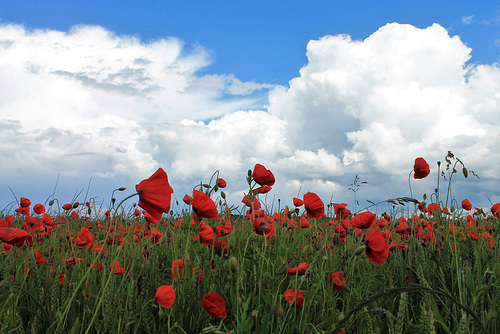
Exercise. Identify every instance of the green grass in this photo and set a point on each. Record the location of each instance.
(446, 286)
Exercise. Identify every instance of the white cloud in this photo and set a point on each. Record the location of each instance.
(89, 102)
(466, 20)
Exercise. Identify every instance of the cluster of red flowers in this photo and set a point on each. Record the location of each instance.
(375, 234)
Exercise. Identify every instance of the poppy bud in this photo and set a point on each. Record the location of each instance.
(122, 189)
(249, 173)
(223, 194)
(280, 312)
(359, 250)
(341, 317)
(207, 186)
(51, 202)
(75, 205)
(233, 264)
(255, 313)
(346, 287)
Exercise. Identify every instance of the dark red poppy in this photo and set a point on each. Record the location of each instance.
(24, 202)
(39, 257)
(314, 206)
(116, 268)
(432, 207)
(155, 194)
(263, 176)
(248, 202)
(420, 168)
(67, 206)
(12, 235)
(364, 220)
(206, 234)
(214, 304)
(187, 199)
(298, 270)
(177, 266)
(336, 281)
(165, 296)
(98, 266)
(466, 205)
(294, 299)
(376, 249)
(263, 189)
(204, 206)
(39, 209)
(297, 202)
(495, 209)
(221, 183)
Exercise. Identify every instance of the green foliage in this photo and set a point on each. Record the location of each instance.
(453, 288)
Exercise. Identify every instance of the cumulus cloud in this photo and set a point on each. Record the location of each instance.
(89, 102)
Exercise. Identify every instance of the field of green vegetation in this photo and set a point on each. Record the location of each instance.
(422, 266)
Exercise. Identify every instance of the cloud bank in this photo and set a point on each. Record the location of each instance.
(91, 103)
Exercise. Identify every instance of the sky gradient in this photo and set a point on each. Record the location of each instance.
(317, 92)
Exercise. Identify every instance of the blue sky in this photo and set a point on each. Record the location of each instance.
(263, 41)
(317, 91)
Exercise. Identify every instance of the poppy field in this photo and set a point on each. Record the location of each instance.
(399, 266)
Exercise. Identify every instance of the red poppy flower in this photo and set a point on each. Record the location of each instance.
(165, 296)
(466, 205)
(298, 270)
(39, 209)
(177, 266)
(261, 226)
(364, 220)
(214, 304)
(155, 194)
(248, 202)
(304, 223)
(297, 202)
(221, 183)
(420, 168)
(115, 267)
(39, 257)
(98, 266)
(204, 206)
(336, 281)
(67, 206)
(12, 235)
(187, 199)
(206, 234)
(24, 202)
(433, 207)
(495, 209)
(314, 206)
(201, 274)
(72, 260)
(376, 249)
(263, 176)
(263, 189)
(296, 300)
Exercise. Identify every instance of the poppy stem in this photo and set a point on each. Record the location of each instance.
(119, 204)
(411, 194)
